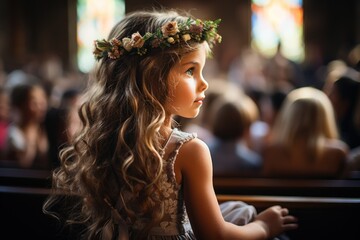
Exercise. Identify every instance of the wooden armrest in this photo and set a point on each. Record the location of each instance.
(292, 201)
(288, 187)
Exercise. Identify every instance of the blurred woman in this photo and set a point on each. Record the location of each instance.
(304, 141)
(27, 143)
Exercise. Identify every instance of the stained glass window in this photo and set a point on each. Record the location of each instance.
(94, 21)
(275, 22)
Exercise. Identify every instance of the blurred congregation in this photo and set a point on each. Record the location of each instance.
(263, 116)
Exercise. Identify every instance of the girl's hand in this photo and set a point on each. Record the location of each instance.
(275, 220)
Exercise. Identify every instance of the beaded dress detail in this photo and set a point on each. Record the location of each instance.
(175, 223)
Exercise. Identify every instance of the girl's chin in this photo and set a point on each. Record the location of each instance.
(194, 115)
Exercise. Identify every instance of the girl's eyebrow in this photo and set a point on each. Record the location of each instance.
(191, 62)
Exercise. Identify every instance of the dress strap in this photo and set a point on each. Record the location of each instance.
(178, 138)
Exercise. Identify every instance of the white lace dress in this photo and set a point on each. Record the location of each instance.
(175, 224)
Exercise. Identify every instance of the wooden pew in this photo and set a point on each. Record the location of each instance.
(22, 217)
(326, 209)
(25, 177)
(318, 217)
(21, 214)
(222, 185)
(287, 187)
(262, 201)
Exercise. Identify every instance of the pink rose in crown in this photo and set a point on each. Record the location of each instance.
(137, 40)
(170, 29)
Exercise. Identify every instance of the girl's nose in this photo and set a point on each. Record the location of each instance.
(204, 84)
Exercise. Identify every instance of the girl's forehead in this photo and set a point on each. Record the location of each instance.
(197, 55)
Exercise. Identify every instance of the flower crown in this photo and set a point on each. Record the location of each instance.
(166, 36)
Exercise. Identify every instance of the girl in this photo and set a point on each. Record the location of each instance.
(136, 175)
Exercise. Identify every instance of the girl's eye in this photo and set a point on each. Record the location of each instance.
(190, 71)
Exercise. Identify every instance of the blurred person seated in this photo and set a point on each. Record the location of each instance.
(304, 141)
(61, 122)
(275, 101)
(26, 143)
(333, 71)
(4, 120)
(344, 94)
(3, 74)
(269, 105)
(247, 71)
(231, 146)
(353, 164)
(281, 73)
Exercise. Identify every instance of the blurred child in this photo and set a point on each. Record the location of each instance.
(231, 148)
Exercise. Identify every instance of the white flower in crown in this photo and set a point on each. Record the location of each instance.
(171, 40)
(186, 37)
(127, 44)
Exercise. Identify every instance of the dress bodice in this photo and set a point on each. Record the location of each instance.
(174, 223)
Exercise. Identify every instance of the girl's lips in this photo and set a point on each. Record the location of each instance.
(199, 100)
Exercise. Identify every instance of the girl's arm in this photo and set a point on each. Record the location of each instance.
(193, 167)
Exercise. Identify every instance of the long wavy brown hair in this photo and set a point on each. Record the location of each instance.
(117, 152)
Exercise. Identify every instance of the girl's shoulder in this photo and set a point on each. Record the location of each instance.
(192, 142)
(193, 160)
(192, 155)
